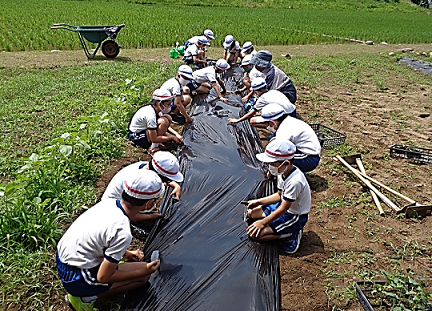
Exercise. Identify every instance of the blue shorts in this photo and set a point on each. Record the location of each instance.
(80, 282)
(306, 163)
(286, 224)
(193, 85)
(140, 139)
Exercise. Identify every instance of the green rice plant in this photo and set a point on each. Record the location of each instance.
(149, 26)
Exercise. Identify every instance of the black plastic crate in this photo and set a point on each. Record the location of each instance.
(327, 136)
(365, 297)
(410, 152)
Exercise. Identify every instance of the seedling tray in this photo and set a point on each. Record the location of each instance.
(364, 295)
(327, 136)
(410, 152)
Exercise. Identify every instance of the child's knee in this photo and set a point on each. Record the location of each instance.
(186, 100)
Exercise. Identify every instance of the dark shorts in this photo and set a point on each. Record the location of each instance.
(286, 224)
(140, 139)
(80, 282)
(193, 85)
(293, 114)
(306, 163)
(290, 92)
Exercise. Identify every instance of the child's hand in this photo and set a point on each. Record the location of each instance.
(223, 99)
(136, 255)
(255, 229)
(153, 266)
(233, 120)
(245, 99)
(253, 203)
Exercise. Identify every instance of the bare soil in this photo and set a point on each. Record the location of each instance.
(341, 241)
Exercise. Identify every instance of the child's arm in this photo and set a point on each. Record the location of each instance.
(218, 92)
(247, 97)
(273, 198)
(108, 272)
(154, 138)
(247, 116)
(178, 103)
(176, 134)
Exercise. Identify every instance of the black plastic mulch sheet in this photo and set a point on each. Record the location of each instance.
(207, 260)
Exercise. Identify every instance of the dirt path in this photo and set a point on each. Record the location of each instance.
(52, 59)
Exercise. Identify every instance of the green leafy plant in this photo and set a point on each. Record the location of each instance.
(403, 291)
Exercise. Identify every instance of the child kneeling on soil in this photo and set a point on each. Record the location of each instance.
(89, 253)
(150, 123)
(164, 163)
(204, 79)
(283, 214)
(175, 87)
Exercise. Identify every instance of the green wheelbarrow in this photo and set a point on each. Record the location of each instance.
(96, 34)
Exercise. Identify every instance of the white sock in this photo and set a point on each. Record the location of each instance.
(88, 299)
(154, 145)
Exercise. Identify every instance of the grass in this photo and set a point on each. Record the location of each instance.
(147, 26)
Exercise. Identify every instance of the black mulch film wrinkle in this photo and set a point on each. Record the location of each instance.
(208, 262)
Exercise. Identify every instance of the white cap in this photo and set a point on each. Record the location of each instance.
(203, 40)
(246, 60)
(209, 34)
(222, 64)
(186, 71)
(228, 40)
(271, 112)
(258, 83)
(247, 45)
(144, 185)
(166, 164)
(162, 94)
(279, 149)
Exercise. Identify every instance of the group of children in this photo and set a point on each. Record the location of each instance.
(90, 252)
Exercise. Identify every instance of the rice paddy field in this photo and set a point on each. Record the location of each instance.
(64, 124)
(25, 25)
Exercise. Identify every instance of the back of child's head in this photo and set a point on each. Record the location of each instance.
(142, 186)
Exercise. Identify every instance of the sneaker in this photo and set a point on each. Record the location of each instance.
(292, 244)
(76, 304)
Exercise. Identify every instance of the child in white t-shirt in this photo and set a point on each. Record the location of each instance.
(283, 214)
(89, 253)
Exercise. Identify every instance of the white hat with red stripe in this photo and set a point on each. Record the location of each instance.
(271, 112)
(144, 185)
(166, 164)
(162, 95)
(222, 64)
(277, 150)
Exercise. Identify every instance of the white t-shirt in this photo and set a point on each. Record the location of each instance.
(193, 40)
(143, 119)
(207, 74)
(173, 86)
(234, 48)
(274, 97)
(300, 134)
(115, 187)
(101, 232)
(254, 73)
(295, 189)
(191, 51)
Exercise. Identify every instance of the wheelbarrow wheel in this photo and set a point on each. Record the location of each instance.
(110, 49)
